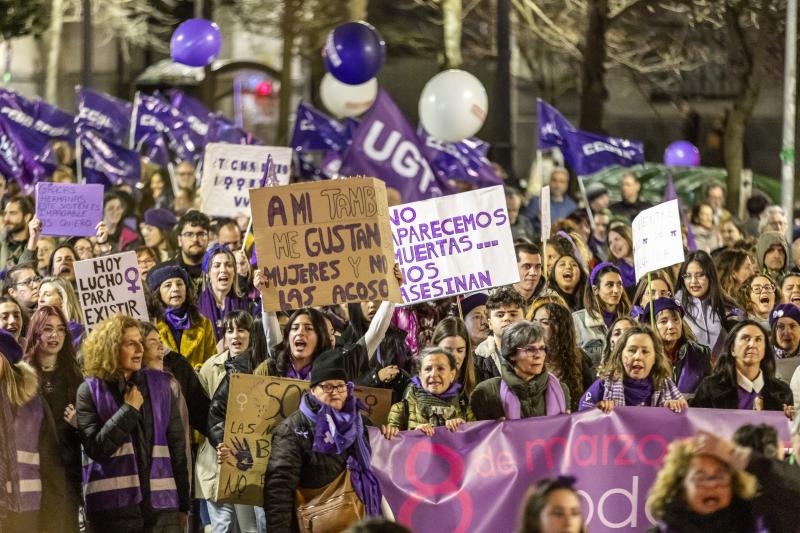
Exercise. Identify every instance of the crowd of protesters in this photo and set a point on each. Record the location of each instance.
(121, 428)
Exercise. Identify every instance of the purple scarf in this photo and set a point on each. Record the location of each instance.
(555, 403)
(178, 319)
(609, 317)
(303, 373)
(9, 474)
(335, 432)
(453, 391)
(209, 309)
(638, 391)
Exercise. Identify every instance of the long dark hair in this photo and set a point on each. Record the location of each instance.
(720, 302)
(282, 359)
(157, 308)
(536, 500)
(452, 326)
(393, 343)
(563, 354)
(574, 299)
(726, 364)
(591, 301)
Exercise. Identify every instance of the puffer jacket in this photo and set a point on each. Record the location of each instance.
(487, 404)
(487, 360)
(419, 408)
(765, 241)
(590, 332)
(219, 402)
(197, 401)
(717, 392)
(293, 464)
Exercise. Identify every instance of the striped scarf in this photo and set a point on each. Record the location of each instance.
(614, 390)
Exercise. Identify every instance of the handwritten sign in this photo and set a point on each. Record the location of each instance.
(324, 243)
(67, 209)
(544, 214)
(657, 239)
(229, 170)
(453, 245)
(378, 402)
(110, 285)
(256, 405)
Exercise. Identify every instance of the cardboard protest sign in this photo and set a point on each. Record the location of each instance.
(110, 285)
(544, 213)
(67, 209)
(229, 170)
(378, 402)
(657, 239)
(453, 245)
(322, 243)
(256, 405)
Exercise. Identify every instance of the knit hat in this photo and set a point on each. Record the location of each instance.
(784, 311)
(328, 365)
(472, 301)
(594, 191)
(659, 305)
(9, 347)
(162, 219)
(162, 273)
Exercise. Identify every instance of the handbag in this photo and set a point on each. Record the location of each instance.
(331, 508)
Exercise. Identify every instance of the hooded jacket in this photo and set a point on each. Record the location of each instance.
(765, 241)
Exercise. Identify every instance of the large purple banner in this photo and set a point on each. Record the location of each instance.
(475, 479)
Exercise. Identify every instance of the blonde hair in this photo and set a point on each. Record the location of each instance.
(668, 489)
(101, 347)
(69, 299)
(21, 381)
(551, 297)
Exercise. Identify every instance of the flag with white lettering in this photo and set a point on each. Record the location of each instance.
(463, 160)
(16, 161)
(314, 130)
(101, 161)
(104, 114)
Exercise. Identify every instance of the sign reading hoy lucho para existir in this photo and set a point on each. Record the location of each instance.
(324, 243)
(453, 245)
(110, 285)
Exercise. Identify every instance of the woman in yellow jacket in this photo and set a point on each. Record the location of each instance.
(181, 326)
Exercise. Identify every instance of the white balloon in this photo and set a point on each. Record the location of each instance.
(345, 100)
(453, 105)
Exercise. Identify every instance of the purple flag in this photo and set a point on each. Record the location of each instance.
(386, 146)
(222, 131)
(196, 113)
(475, 479)
(101, 161)
(313, 130)
(16, 161)
(584, 152)
(54, 122)
(464, 160)
(100, 112)
(154, 117)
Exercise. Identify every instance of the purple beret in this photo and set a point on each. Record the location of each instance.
(472, 301)
(9, 347)
(659, 305)
(784, 311)
(162, 273)
(163, 219)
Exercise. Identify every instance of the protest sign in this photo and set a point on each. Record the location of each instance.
(230, 170)
(453, 245)
(544, 216)
(256, 405)
(110, 285)
(323, 243)
(657, 239)
(378, 402)
(69, 210)
(475, 479)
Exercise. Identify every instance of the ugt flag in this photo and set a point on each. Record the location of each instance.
(101, 161)
(100, 112)
(16, 161)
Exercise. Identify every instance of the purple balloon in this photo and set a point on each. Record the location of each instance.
(682, 154)
(354, 52)
(196, 42)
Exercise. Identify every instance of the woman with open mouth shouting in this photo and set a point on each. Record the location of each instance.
(744, 377)
(221, 293)
(568, 279)
(756, 297)
(709, 311)
(179, 322)
(636, 374)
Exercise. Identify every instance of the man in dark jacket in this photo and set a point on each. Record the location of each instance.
(630, 205)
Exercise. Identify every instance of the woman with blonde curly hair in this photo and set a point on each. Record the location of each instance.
(637, 373)
(696, 493)
(136, 478)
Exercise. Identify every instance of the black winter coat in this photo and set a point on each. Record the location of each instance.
(197, 400)
(100, 441)
(219, 403)
(718, 392)
(293, 464)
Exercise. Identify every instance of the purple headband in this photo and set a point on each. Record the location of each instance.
(211, 252)
(598, 268)
(575, 252)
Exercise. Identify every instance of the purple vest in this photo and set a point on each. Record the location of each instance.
(27, 425)
(113, 482)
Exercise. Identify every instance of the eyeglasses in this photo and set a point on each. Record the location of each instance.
(532, 351)
(49, 332)
(710, 481)
(699, 276)
(329, 389)
(200, 235)
(31, 282)
(758, 289)
(662, 294)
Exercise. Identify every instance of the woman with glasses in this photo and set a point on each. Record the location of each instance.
(660, 286)
(636, 374)
(756, 298)
(147, 260)
(525, 387)
(604, 300)
(744, 376)
(709, 311)
(691, 362)
(59, 293)
(568, 280)
(84, 248)
(49, 350)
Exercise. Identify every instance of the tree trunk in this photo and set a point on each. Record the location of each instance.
(452, 17)
(357, 9)
(54, 52)
(288, 32)
(593, 70)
